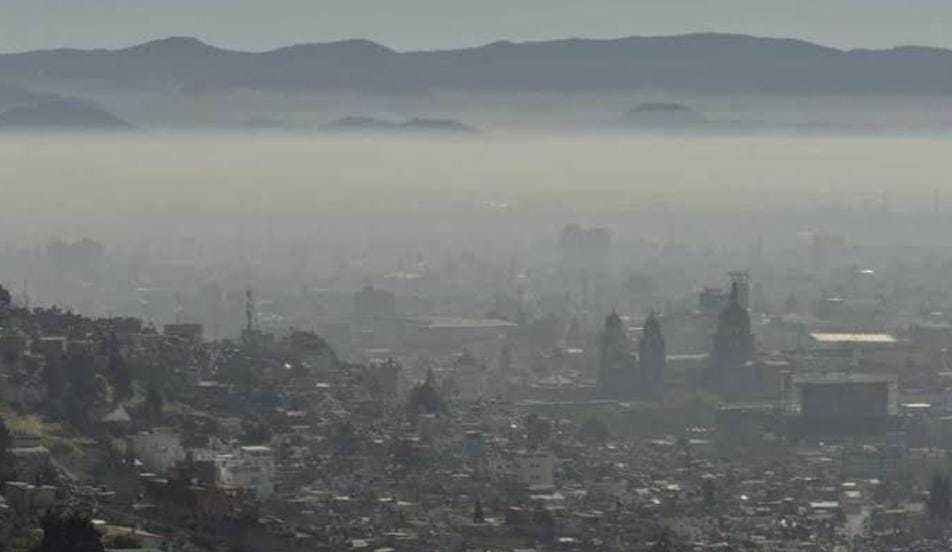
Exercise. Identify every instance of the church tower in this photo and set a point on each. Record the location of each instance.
(733, 346)
(616, 365)
(652, 356)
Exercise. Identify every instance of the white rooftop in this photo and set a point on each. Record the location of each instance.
(256, 449)
(879, 338)
(834, 378)
(448, 322)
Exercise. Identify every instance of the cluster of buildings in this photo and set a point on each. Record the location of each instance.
(548, 420)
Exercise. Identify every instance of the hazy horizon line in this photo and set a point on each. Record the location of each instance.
(501, 41)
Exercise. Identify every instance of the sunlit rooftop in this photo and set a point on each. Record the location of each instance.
(858, 338)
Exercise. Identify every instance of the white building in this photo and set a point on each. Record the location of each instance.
(250, 468)
(159, 449)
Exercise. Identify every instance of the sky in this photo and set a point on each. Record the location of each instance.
(432, 24)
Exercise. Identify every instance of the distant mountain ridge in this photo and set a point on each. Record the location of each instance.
(417, 124)
(66, 114)
(21, 108)
(696, 63)
(662, 115)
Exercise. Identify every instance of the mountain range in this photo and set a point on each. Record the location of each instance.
(60, 114)
(695, 64)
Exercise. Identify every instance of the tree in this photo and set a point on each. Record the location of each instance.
(84, 390)
(6, 299)
(81, 374)
(54, 377)
(939, 504)
(154, 403)
(70, 532)
(117, 369)
(7, 464)
(382, 379)
(311, 346)
(663, 544)
(478, 516)
(237, 366)
(46, 475)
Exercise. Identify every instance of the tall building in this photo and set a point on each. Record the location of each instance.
(741, 279)
(585, 248)
(585, 263)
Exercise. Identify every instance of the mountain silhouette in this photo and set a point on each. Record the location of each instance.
(417, 124)
(61, 114)
(695, 63)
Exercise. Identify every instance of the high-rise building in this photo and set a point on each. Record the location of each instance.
(741, 279)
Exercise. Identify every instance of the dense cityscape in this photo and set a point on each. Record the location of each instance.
(495, 276)
(581, 409)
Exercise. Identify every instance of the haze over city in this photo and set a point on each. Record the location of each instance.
(595, 277)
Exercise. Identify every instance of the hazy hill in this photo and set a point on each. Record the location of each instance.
(61, 114)
(373, 124)
(575, 83)
(11, 95)
(695, 63)
(662, 115)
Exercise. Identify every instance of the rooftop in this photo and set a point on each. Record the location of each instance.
(256, 449)
(441, 322)
(831, 378)
(878, 338)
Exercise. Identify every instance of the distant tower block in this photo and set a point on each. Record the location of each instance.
(249, 311)
(742, 280)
